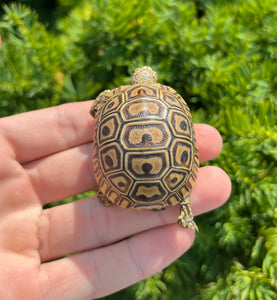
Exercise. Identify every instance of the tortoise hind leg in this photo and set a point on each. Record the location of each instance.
(185, 218)
(103, 199)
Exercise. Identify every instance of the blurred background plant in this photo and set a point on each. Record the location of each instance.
(221, 57)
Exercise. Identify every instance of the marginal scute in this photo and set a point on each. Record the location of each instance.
(124, 202)
(113, 195)
(173, 199)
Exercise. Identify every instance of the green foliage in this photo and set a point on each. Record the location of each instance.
(27, 79)
(221, 56)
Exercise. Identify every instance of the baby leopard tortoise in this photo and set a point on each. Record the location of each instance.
(145, 154)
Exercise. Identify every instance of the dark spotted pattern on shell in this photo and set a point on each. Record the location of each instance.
(145, 155)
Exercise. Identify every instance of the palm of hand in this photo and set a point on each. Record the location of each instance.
(45, 157)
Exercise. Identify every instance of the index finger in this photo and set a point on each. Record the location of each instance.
(36, 134)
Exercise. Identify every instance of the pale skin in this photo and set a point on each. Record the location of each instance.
(45, 156)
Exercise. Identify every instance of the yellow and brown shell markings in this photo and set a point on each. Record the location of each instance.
(145, 154)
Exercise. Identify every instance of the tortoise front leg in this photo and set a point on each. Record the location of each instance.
(185, 218)
(98, 103)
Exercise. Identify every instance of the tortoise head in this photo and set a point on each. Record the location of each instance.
(144, 75)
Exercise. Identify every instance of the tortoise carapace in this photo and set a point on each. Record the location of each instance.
(145, 154)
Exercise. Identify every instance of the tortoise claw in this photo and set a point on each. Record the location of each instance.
(99, 102)
(188, 224)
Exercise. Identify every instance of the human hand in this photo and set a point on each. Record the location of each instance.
(45, 156)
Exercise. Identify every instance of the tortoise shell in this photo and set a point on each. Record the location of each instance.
(145, 155)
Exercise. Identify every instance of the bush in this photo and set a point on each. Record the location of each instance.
(221, 56)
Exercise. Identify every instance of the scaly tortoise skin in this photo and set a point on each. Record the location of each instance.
(145, 155)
